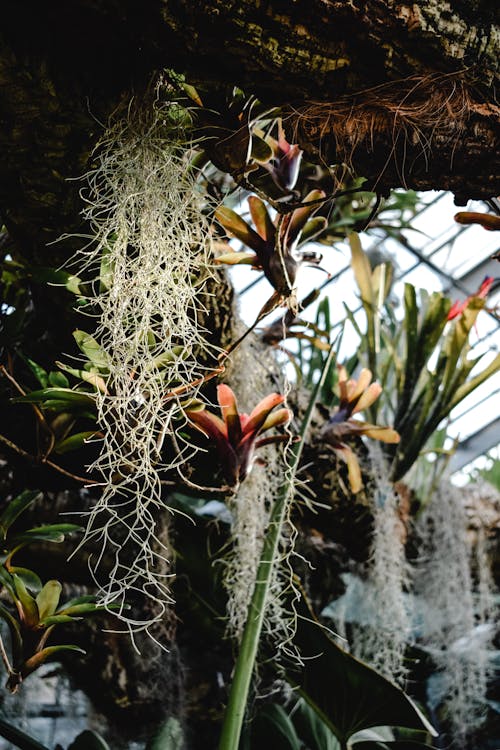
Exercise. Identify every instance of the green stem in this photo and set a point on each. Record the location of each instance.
(238, 696)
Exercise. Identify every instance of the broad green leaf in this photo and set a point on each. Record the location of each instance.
(48, 599)
(92, 350)
(57, 278)
(362, 271)
(73, 442)
(261, 151)
(28, 606)
(50, 533)
(169, 737)
(89, 740)
(57, 620)
(19, 738)
(312, 730)
(233, 223)
(30, 578)
(347, 694)
(42, 656)
(261, 219)
(237, 259)
(58, 380)
(166, 358)
(82, 609)
(301, 216)
(89, 377)
(273, 728)
(38, 371)
(312, 229)
(7, 580)
(63, 396)
(17, 506)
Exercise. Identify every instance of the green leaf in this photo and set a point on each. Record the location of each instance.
(20, 739)
(89, 740)
(312, 730)
(48, 599)
(273, 728)
(92, 350)
(312, 229)
(361, 698)
(58, 380)
(38, 371)
(261, 151)
(89, 377)
(467, 388)
(35, 661)
(63, 396)
(57, 278)
(233, 223)
(30, 578)
(57, 620)
(82, 609)
(169, 737)
(27, 602)
(73, 442)
(362, 271)
(51, 533)
(17, 506)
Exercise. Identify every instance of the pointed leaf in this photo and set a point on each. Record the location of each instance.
(89, 377)
(312, 229)
(301, 216)
(261, 219)
(90, 347)
(58, 380)
(261, 412)
(73, 442)
(360, 698)
(276, 419)
(17, 506)
(30, 578)
(42, 656)
(25, 603)
(273, 728)
(38, 371)
(261, 150)
(57, 620)
(235, 225)
(362, 271)
(238, 259)
(229, 410)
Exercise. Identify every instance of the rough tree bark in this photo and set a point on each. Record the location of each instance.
(64, 67)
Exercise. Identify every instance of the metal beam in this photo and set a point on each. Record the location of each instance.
(476, 445)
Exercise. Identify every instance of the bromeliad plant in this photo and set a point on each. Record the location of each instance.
(355, 396)
(236, 436)
(423, 362)
(35, 609)
(276, 243)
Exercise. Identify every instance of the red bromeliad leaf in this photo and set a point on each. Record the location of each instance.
(259, 415)
(229, 409)
(261, 219)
